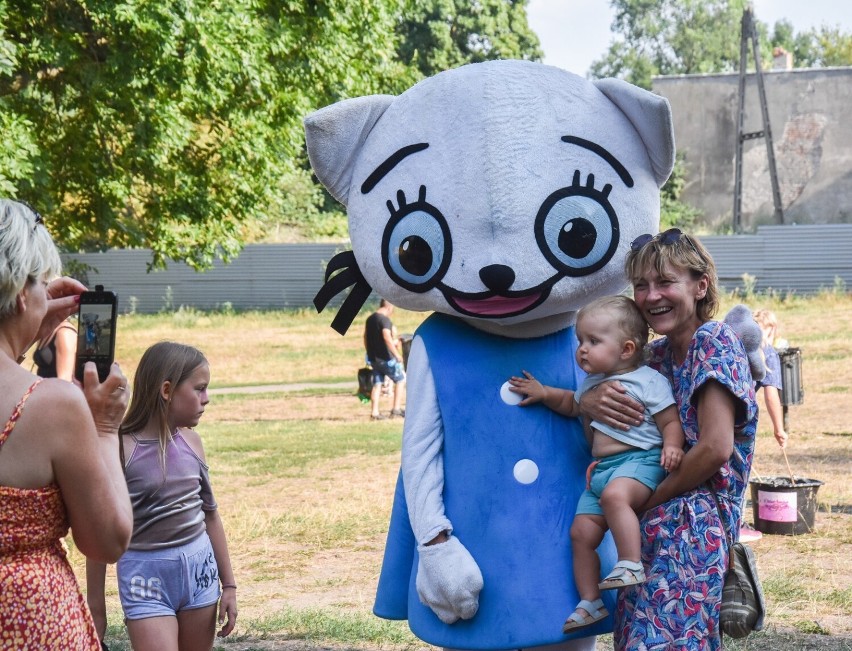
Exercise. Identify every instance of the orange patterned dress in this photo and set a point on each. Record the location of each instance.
(41, 606)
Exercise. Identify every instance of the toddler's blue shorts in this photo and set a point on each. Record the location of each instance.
(164, 582)
(641, 465)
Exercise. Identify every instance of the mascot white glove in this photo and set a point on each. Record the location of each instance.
(448, 580)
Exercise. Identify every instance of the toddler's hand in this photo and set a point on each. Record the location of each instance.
(671, 457)
(527, 386)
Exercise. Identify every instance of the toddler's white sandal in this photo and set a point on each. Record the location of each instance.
(624, 573)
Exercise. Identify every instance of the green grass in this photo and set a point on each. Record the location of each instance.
(280, 448)
(319, 625)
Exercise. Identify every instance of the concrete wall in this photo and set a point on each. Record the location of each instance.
(809, 113)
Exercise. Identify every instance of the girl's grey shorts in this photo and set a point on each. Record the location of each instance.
(165, 581)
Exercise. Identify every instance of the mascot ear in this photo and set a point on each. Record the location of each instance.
(651, 116)
(334, 136)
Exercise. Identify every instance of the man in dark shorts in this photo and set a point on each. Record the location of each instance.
(385, 358)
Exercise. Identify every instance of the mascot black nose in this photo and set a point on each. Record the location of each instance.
(497, 277)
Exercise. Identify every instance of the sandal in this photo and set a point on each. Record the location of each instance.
(595, 612)
(624, 573)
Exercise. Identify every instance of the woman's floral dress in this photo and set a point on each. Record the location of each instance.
(684, 548)
(41, 607)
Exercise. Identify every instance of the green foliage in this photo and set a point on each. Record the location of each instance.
(823, 46)
(177, 124)
(439, 34)
(668, 37)
(302, 211)
(665, 37)
(673, 211)
(174, 124)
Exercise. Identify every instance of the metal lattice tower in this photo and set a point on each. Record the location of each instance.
(750, 32)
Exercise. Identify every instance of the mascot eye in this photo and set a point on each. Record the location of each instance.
(576, 228)
(416, 245)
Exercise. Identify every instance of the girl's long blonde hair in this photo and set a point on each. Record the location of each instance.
(163, 362)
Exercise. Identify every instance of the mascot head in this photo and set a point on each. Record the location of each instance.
(505, 193)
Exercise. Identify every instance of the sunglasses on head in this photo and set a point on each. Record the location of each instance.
(38, 218)
(668, 238)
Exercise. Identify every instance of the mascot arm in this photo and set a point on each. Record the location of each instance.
(422, 446)
(448, 579)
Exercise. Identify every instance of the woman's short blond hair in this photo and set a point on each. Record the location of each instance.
(686, 252)
(27, 251)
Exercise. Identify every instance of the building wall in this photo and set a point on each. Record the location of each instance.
(801, 259)
(809, 117)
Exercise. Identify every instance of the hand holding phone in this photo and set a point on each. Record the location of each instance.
(96, 320)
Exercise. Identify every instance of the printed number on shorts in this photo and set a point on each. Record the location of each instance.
(143, 589)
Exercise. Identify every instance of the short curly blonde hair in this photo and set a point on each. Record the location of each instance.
(27, 252)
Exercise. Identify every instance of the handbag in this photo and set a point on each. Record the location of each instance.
(743, 605)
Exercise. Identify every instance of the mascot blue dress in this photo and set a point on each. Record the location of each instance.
(501, 196)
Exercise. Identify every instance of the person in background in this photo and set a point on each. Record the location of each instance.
(385, 356)
(54, 356)
(59, 458)
(169, 579)
(688, 519)
(771, 384)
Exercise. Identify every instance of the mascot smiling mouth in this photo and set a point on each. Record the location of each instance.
(491, 305)
(496, 306)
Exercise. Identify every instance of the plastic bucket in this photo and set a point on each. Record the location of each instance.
(782, 508)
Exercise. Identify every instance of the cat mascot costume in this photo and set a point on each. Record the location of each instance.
(502, 196)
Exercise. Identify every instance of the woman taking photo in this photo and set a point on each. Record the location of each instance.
(59, 463)
(685, 549)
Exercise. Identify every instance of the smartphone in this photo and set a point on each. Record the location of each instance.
(96, 321)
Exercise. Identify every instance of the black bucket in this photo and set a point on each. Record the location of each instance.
(783, 508)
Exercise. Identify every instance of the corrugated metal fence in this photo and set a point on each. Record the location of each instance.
(802, 259)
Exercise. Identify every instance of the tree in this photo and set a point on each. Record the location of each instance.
(173, 124)
(825, 46)
(669, 37)
(664, 37)
(432, 35)
(439, 34)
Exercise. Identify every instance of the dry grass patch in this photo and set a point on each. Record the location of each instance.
(305, 480)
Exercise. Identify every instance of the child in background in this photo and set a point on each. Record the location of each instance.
(771, 384)
(628, 464)
(169, 578)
